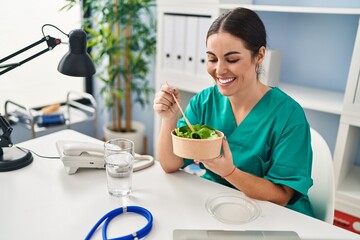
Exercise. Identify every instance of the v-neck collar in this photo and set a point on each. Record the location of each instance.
(254, 110)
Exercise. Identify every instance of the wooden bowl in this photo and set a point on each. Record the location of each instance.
(197, 148)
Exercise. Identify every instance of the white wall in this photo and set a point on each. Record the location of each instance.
(36, 83)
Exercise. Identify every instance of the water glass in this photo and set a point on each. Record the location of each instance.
(119, 160)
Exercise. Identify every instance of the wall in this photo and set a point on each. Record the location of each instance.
(37, 82)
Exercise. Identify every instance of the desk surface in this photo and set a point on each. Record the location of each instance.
(41, 201)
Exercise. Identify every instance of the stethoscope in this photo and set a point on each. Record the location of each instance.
(112, 214)
(141, 162)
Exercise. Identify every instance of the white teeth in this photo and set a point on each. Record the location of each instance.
(225, 80)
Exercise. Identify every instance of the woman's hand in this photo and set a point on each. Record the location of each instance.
(165, 106)
(253, 186)
(164, 103)
(223, 164)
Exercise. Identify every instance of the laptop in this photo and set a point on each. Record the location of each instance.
(187, 234)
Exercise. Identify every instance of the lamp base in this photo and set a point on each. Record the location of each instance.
(12, 158)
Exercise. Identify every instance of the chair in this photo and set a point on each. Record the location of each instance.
(322, 193)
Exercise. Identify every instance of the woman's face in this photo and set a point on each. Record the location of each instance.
(230, 64)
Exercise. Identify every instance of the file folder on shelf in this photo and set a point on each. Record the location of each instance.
(204, 24)
(271, 66)
(357, 93)
(168, 39)
(191, 40)
(179, 43)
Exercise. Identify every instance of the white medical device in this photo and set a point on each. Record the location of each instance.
(75, 155)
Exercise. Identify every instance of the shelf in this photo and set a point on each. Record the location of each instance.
(294, 9)
(315, 98)
(79, 108)
(309, 98)
(77, 116)
(348, 192)
(189, 82)
(351, 184)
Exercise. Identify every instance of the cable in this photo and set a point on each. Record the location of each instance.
(42, 29)
(41, 156)
(112, 214)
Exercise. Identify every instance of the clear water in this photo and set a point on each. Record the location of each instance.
(119, 169)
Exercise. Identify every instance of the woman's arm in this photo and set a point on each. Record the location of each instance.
(251, 185)
(168, 160)
(165, 107)
(260, 188)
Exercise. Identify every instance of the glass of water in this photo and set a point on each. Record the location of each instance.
(119, 160)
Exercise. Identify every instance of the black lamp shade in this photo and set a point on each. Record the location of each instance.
(77, 61)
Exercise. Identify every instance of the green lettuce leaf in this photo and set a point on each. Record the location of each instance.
(201, 132)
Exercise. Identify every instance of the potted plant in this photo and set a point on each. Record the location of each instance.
(122, 35)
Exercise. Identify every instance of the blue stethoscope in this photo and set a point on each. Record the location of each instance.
(112, 214)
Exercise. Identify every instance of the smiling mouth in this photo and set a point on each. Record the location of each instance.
(225, 81)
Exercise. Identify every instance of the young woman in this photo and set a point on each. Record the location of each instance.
(266, 152)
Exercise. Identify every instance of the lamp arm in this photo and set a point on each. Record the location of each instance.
(51, 42)
(5, 137)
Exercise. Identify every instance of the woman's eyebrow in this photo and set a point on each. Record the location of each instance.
(230, 53)
(225, 55)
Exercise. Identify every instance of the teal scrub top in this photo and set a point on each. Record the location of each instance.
(272, 142)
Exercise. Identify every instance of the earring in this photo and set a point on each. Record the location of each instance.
(257, 69)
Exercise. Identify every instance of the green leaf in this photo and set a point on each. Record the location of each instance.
(201, 132)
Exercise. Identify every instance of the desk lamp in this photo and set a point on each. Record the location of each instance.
(76, 62)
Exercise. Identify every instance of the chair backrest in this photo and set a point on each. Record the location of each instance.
(322, 193)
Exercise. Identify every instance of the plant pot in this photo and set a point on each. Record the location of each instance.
(137, 136)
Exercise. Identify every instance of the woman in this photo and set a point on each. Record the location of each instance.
(266, 153)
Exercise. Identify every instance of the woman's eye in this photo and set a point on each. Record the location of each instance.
(212, 60)
(233, 60)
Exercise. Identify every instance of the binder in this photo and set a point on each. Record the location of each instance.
(179, 42)
(271, 66)
(191, 40)
(201, 58)
(357, 93)
(168, 36)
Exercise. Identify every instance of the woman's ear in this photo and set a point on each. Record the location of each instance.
(261, 55)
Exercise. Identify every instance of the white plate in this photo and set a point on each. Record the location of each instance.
(209, 234)
(232, 208)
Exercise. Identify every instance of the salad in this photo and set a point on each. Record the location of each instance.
(201, 132)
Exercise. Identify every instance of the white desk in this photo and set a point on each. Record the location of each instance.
(41, 201)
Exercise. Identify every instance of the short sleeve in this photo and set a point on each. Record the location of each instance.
(292, 155)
